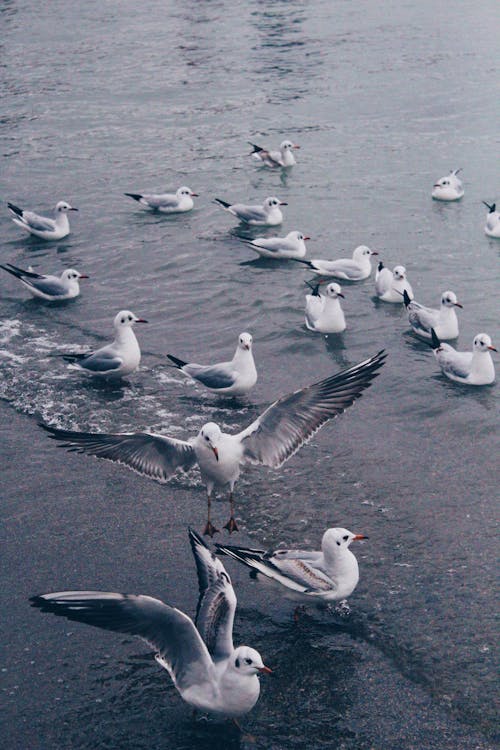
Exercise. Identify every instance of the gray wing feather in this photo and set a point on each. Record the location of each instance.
(248, 213)
(292, 420)
(53, 287)
(38, 222)
(165, 628)
(161, 201)
(155, 456)
(214, 376)
(456, 363)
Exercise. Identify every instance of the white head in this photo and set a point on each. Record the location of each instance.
(339, 539)
(272, 203)
(297, 236)
(362, 251)
(334, 290)
(209, 435)
(482, 343)
(70, 274)
(449, 299)
(62, 207)
(245, 341)
(126, 319)
(185, 192)
(287, 146)
(247, 661)
(399, 273)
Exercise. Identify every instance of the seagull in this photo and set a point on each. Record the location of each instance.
(114, 360)
(268, 214)
(269, 440)
(424, 319)
(391, 285)
(50, 288)
(357, 268)
(327, 575)
(282, 158)
(291, 246)
(167, 203)
(234, 378)
(208, 672)
(448, 188)
(42, 226)
(323, 311)
(473, 368)
(492, 226)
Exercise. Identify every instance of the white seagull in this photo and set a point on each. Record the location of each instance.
(168, 203)
(357, 268)
(391, 285)
(324, 313)
(42, 226)
(327, 575)
(292, 246)
(448, 188)
(492, 226)
(208, 672)
(472, 368)
(444, 320)
(114, 360)
(282, 158)
(49, 288)
(268, 214)
(269, 440)
(234, 378)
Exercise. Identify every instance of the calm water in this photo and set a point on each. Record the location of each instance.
(102, 98)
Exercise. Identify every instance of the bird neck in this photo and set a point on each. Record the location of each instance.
(62, 221)
(242, 358)
(125, 336)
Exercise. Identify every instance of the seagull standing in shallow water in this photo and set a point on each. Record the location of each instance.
(234, 378)
(472, 368)
(282, 158)
(270, 440)
(167, 203)
(49, 288)
(209, 673)
(42, 226)
(268, 214)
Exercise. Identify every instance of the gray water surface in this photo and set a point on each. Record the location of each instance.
(102, 98)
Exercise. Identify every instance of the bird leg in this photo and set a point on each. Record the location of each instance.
(231, 525)
(210, 529)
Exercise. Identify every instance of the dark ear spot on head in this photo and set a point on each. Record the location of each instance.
(237, 663)
(338, 544)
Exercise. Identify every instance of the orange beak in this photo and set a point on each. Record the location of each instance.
(357, 537)
(265, 670)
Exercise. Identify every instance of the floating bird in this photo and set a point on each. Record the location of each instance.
(168, 203)
(42, 226)
(423, 319)
(234, 378)
(269, 440)
(448, 188)
(492, 226)
(208, 672)
(282, 158)
(50, 288)
(323, 311)
(114, 360)
(357, 268)
(268, 214)
(292, 246)
(327, 575)
(391, 285)
(473, 368)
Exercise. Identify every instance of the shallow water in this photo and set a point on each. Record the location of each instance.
(107, 98)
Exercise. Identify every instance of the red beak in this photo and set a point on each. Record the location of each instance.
(216, 452)
(359, 536)
(83, 276)
(195, 195)
(283, 204)
(265, 670)
(492, 348)
(295, 146)
(339, 294)
(141, 320)
(306, 238)
(374, 252)
(457, 304)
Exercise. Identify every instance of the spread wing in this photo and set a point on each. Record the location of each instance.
(217, 600)
(155, 456)
(164, 628)
(292, 420)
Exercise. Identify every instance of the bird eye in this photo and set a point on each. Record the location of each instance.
(248, 661)
(123, 320)
(206, 438)
(338, 544)
(130, 317)
(237, 663)
(345, 538)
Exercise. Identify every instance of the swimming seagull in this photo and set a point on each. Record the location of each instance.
(234, 378)
(472, 368)
(114, 360)
(291, 246)
(270, 440)
(208, 672)
(324, 313)
(328, 575)
(423, 319)
(282, 158)
(448, 188)
(168, 203)
(42, 226)
(357, 268)
(492, 226)
(50, 288)
(268, 214)
(391, 285)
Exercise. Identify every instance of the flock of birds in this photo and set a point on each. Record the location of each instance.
(209, 673)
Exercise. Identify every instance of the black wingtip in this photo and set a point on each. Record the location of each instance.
(135, 196)
(256, 148)
(435, 342)
(491, 208)
(195, 539)
(380, 266)
(304, 262)
(224, 204)
(177, 362)
(406, 298)
(15, 209)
